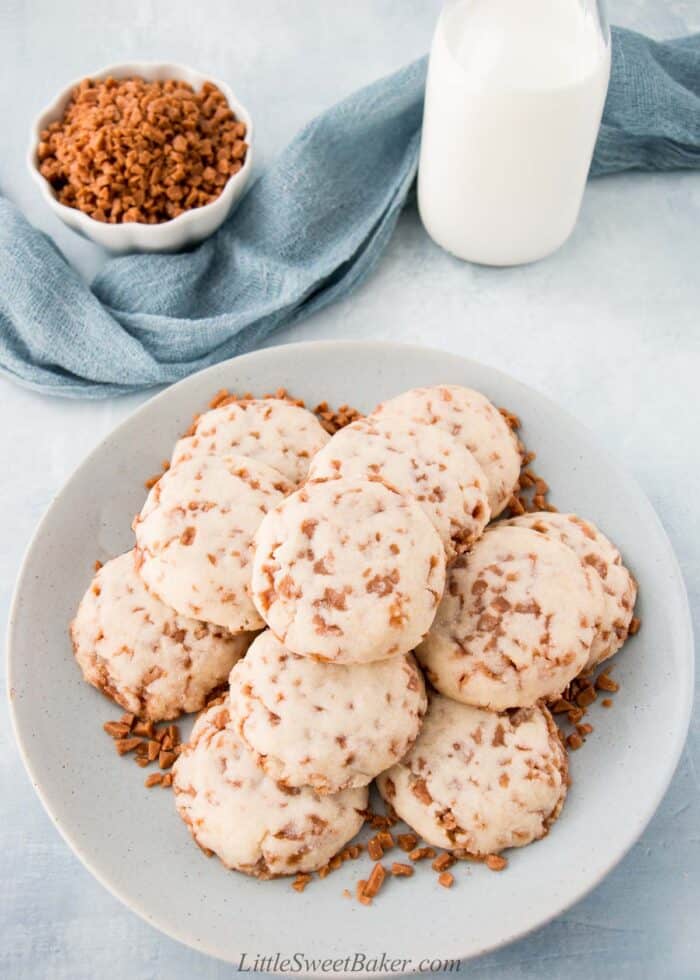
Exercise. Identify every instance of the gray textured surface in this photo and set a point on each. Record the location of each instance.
(608, 327)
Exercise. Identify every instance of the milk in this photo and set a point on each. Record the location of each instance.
(513, 103)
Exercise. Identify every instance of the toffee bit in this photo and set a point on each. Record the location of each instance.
(496, 862)
(605, 683)
(586, 697)
(144, 728)
(124, 745)
(154, 779)
(512, 419)
(380, 821)
(212, 702)
(635, 626)
(443, 861)
(446, 879)
(375, 849)
(422, 853)
(300, 882)
(574, 741)
(333, 420)
(400, 870)
(561, 706)
(116, 729)
(607, 702)
(220, 396)
(407, 842)
(516, 506)
(375, 881)
(360, 893)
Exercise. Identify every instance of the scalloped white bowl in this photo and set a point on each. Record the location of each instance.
(169, 236)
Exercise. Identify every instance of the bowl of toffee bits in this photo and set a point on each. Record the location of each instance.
(143, 157)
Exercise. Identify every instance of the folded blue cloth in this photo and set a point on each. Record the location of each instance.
(307, 232)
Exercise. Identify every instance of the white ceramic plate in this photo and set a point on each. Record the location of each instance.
(130, 838)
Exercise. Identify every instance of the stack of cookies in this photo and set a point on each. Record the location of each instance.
(161, 626)
(355, 555)
(536, 600)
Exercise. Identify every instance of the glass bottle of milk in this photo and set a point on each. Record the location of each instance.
(513, 103)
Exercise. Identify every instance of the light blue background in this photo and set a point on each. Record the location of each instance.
(609, 327)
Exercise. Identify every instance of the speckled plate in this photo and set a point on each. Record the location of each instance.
(130, 837)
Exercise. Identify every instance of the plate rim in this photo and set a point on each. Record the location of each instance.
(383, 347)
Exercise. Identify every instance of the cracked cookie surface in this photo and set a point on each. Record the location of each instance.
(194, 536)
(348, 571)
(142, 654)
(421, 460)
(516, 622)
(236, 811)
(480, 781)
(328, 726)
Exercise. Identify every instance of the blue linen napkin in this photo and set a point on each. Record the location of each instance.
(308, 231)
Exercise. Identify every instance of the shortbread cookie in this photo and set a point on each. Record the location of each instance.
(270, 430)
(328, 726)
(194, 536)
(150, 660)
(471, 418)
(421, 460)
(253, 825)
(604, 560)
(516, 622)
(479, 781)
(348, 571)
